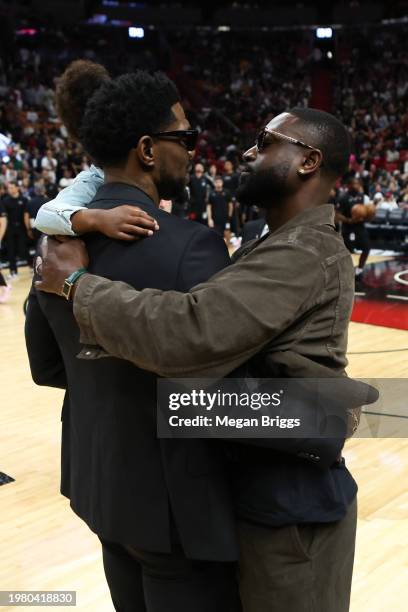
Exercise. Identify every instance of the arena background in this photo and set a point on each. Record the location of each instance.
(236, 65)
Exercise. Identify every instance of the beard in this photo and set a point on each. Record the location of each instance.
(265, 188)
(171, 188)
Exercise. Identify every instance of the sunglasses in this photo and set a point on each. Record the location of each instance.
(262, 140)
(187, 137)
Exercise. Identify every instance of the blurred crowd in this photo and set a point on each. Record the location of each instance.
(231, 84)
(371, 96)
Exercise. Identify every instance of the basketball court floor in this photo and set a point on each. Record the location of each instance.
(45, 546)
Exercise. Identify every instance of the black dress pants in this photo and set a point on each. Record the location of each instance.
(16, 241)
(141, 581)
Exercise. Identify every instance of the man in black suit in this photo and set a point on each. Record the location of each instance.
(160, 507)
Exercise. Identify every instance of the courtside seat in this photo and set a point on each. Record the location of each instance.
(389, 230)
(380, 220)
(401, 225)
(397, 216)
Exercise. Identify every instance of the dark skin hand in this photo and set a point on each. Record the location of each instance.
(59, 259)
(122, 223)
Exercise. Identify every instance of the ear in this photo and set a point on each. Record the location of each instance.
(311, 163)
(145, 151)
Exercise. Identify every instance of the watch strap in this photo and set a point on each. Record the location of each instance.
(70, 281)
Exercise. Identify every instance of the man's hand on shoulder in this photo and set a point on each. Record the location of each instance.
(57, 261)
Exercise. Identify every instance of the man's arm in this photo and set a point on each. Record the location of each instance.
(230, 210)
(214, 328)
(27, 224)
(46, 363)
(340, 217)
(210, 220)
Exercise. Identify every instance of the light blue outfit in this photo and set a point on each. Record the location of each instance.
(54, 217)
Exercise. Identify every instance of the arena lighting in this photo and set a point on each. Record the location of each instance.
(224, 28)
(119, 23)
(98, 19)
(136, 32)
(27, 32)
(324, 33)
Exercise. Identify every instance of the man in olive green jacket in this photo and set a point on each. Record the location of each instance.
(290, 291)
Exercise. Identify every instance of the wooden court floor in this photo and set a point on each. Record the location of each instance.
(44, 546)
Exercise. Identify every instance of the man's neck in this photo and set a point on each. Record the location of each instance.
(284, 211)
(149, 188)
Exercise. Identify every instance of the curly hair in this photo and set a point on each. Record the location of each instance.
(122, 111)
(74, 88)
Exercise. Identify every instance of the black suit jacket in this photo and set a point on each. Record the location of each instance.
(120, 478)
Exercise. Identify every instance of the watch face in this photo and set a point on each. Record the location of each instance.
(66, 290)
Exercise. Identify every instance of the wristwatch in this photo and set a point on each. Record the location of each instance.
(70, 282)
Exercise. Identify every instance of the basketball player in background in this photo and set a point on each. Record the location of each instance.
(354, 231)
(18, 227)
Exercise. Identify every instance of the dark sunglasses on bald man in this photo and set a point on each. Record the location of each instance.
(266, 137)
(187, 137)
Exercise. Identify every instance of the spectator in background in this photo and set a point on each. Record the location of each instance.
(25, 187)
(18, 227)
(230, 178)
(388, 203)
(377, 194)
(199, 191)
(49, 164)
(211, 174)
(219, 208)
(67, 178)
(231, 184)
